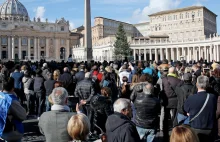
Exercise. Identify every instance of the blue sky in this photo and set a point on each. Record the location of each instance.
(132, 11)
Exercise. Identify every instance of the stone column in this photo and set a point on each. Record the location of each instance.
(188, 54)
(88, 35)
(205, 53)
(145, 56)
(29, 48)
(167, 56)
(13, 48)
(172, 54)
(214, 52)
(47, 47)
(210, 53)
(200, 55)
(19, 48)
(194, 54)
(134, 54)
(161, 54)
(139, 55)
(178, 53)
(57, 48)
(218, 53)
(156, 55)
(35, 48)
(9, 47)
(150, 52)
(0, 47)
(38, 48)
(68, 49)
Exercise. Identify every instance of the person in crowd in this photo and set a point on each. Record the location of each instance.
(169, 99)
(12, 114)
(39, 91)
(53, 124)
(67, 80)
(56, 75)
(183, 133)
(201, 109)
(183, 91)
(125, 91)
(45, 71)
(147, 108)
(136, 76)
(119, 126)
(49, 86)
(101, 106)
(124, 72)
(78, 127)
(29, 92)
(97, 74)
(85, 91)
(196, 72)
(147, 69)
(18, 87)
(81, 74)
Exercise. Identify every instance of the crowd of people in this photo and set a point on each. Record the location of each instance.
(118, 101)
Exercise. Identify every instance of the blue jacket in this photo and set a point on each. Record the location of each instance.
(18, 79)
(148, 70)
(5, 103)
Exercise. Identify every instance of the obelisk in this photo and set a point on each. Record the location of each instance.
(88, 35)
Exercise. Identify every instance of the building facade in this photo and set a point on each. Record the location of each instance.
(187, 33)
(21, 38)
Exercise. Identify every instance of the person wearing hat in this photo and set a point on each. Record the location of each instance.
(53, 124)
(183, 91)
(45, 71)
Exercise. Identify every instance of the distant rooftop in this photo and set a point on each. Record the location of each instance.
(113, 20)
(180, 10)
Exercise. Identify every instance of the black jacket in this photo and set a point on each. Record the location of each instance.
(169, 86)
(80, 76)
(85, 90)
(67, 80)
(101, 107)
(147, 108)
(120, 129)
(39, 84)
(183, 92)
(49, 85)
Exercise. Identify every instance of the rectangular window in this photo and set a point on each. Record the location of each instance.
(24, 41)
(62, 28)
(4, 41)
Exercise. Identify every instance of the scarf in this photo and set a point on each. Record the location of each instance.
(60, 108)
(172, 74)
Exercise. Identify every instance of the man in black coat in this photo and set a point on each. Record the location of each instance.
(119, 127)
(81, 74)
(147, 107)
(67, 80)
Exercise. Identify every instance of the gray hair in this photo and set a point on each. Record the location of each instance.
(202, 82)
(59, 96)
(148, 89)
(121, 104)
(66, 69)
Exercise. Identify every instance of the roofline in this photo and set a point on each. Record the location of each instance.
(181, 9)
(142, 23)
(112, 20)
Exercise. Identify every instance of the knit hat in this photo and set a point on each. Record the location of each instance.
(59, 96)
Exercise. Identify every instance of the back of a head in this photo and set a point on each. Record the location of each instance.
(78, 127)
(121, 104)
(87, 75)
(66, 69)
(148, 89)
(183, 133)
(8, 85)
(202, 82)
(172, 70)
(59, 96)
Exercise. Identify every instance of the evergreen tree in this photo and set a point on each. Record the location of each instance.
(122, 47)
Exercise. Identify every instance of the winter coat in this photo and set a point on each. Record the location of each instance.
(170, 97)
(182, 92)
(85, 90)
(28, 85)
(101, 108)
(119, 128)
(147, 108)
(17, 79)
(67, 80)
(39, 84)
(53, 124)
(49, 85)
(45, 73)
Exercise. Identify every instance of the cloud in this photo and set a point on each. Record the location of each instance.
(141, 15)
(40, 11)
(72, 26)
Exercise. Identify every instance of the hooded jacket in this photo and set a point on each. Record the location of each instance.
(28, 85)
(120, 129)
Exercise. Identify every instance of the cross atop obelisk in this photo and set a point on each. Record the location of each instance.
(88, 35)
